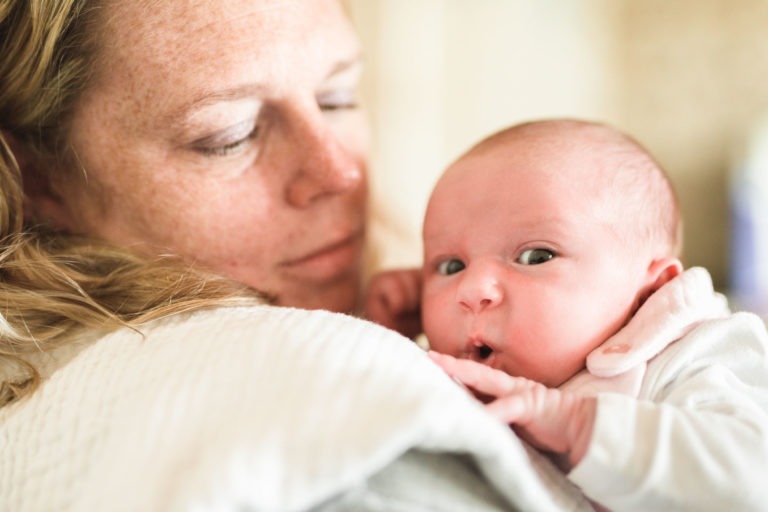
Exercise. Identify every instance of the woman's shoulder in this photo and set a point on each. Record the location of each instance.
(241, 391)
(257, 316)
(265, 326)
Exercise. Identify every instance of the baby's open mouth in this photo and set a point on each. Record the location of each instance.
(482, 351)
(478, 348)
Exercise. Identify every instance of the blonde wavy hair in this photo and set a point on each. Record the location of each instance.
(54, 286)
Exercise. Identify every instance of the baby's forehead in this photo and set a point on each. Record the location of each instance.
(515, 162)
(605, 173)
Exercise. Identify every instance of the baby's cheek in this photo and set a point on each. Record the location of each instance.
(444, 339)
(439, 344)
(441, 319)
(436, 331)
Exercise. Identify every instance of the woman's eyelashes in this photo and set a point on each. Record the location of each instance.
(535, 256)
(343, 99)
(232, 140)
(229, 141)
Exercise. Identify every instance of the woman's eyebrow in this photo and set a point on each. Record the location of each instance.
(230, 94)
(342, 66)
(255, 89)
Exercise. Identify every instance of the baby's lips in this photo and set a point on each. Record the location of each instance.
(478, 348)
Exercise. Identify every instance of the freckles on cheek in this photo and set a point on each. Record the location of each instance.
(229, 233)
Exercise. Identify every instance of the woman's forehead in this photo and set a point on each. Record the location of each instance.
(174, 35)
(153, 62)
(162, 17)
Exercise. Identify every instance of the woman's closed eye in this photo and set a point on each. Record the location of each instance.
(535, 256)
(341, 99)
(450, 266)
(229, 141)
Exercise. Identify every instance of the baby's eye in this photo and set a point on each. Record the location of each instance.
(535, 256)
(450, 266)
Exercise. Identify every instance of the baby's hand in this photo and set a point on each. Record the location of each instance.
(552, 420)
(393, 299)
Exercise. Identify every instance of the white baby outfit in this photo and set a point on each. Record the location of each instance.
(688, 430)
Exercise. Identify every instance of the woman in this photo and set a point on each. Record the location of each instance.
(196, 140)
(168, 157)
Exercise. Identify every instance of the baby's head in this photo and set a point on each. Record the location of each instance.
(540, 242)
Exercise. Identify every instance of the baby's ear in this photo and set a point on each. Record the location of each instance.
(660, 272)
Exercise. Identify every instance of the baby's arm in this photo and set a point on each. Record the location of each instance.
(697, 439)
(393, 299)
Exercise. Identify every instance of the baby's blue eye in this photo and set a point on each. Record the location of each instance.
(535, 256)
(450, 266)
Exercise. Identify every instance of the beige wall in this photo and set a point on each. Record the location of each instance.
(694, 84)
(686, 77)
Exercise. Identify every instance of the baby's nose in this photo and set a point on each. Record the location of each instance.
(479, 290)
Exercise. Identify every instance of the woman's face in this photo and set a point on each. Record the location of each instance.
(227, 133)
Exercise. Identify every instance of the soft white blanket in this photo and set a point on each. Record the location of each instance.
(257, 408)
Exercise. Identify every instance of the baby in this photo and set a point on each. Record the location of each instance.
(551, 287)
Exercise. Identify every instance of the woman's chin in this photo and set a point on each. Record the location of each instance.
(340, 295)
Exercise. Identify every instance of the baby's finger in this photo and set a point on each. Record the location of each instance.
(528, 403)
(479, 377)
(511, 408)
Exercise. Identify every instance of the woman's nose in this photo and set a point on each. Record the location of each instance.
(323, 167)
(479, 290)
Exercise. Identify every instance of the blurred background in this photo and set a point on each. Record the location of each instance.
(687, 78)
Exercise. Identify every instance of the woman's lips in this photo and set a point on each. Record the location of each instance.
(334, 260)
